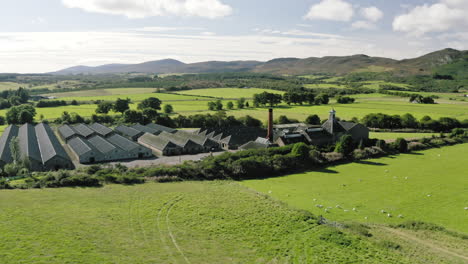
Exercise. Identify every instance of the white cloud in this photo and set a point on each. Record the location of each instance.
(146, 8)
(337, 10)
(446, 15)
(361, 24)
(372, 13)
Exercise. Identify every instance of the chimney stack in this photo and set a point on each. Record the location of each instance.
(270, 125)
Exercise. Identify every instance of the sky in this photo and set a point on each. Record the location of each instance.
(49, 35)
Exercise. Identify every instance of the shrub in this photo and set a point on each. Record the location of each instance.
(4, 184)
(401, 145)
(336, 237)
(300, 150)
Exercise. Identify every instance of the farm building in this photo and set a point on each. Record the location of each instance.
(328, 133)
(146, 129)
(129, 132)
(108, 150)
(29, 147)
(84, 131)
(101, 130)
(207, 143)
(66, 132)
(53, 154)
(83, 151)
(159, 145)
(5, 152)
(161, 128)
(185, 142)
(233, 137)
(132, 149)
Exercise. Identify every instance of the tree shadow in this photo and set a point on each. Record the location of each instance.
(366, 162)
(415, 153)
(327, 171)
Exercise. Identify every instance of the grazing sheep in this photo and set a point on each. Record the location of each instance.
(337, 206)
(406, 178)
(386, 171)
(354, 209)
(365, 217)
(429, 195)
(382, 211)
(269, 191)
(319, 206)
(400, 216)
(346, 210)
(326, 210)
(466, 208)
(315, 200)
(389, 215)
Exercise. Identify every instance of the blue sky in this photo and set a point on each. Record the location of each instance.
(41, 36)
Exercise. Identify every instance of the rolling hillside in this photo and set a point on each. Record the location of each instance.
(447, 60)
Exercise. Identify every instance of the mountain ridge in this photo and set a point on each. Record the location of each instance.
(338, 65)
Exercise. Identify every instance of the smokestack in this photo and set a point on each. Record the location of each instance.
(270, 125)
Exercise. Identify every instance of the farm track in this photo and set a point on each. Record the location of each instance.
(433, 246)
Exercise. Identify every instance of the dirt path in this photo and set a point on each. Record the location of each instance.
(428, 244)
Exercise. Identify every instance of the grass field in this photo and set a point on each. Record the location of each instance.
(389, 135)
(229, 92)
(125, 93)
(428, 186)
(104, 92)
(9, 85)
(190, 222)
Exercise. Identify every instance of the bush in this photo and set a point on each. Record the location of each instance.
(401, 145)
(4, 184)
(336, 237)
(300, 150)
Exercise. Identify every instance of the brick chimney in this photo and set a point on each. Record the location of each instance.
(270, 134)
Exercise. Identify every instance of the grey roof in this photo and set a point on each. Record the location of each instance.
(81, 146)
(161, 128)
(101, 144)
(100, 129)
(254, 145)
(202, 140)
(84, 130)
(333, 126)
(67, 131)
(5, 152)
(157, 142)
(178, 139)
(128, 131)
(122, 142)
(239, 135)
(146, 129)
(28, 142)
(49, 145)
(347, 125)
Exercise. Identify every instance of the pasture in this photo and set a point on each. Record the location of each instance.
(228, 93)
(125, 93)
(189, 222)
(408, 136)
(426, 186)
(103, 92)
(9, 86)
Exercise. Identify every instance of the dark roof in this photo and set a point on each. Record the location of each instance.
(239, 135)
(146, 129)
(161, 128)
(101, 129)
(157, 142)
(333, 127)
(128, 131)
(347, 125)
(122, 142)
(49, 145)
(81, 146)
(28, 142)
(67, 131)
(101, 144)
(5, 152)
(84, 130)
(253, 145)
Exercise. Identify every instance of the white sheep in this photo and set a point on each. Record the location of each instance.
(269, 191)
(365, 217)
(466, 208)
(354, 209)
(338, 206)
(319, 206)
(346, 210)
(400, 216)
(429, 195)
(389, 215)
(315, 200)
(326, 210)
(382, 211)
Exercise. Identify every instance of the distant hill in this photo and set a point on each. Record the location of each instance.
(339, 65)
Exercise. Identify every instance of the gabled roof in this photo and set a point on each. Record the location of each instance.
(81, 146)
(83, 130)
(157, 142)
(5, 152)
(29, 146)
(238, 135)
(122, 142)
(202, 140)
(49, 145)
(67, 131)
(347, 125)
(101, 144)
(333, 127)
(146, 129)
(161, 128)
(100, 129)
(254, 145)
(128, 131)
(178, 139)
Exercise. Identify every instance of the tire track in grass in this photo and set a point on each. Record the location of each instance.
(174, 241)
(433, 246)
(160, 231)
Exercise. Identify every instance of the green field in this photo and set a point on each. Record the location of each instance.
(428, 186)
(211, 222)
(135, 97)
(104, 92)
(229, 92)
(9, 85)
(389, 136)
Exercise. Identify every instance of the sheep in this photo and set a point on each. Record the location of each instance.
(270, 191)
(346, 210)
(338, 206)
(466, 208)
(386, 171)
(406, 178)
(389, 215)
(354, 209)
(314, 199)
(400, 216)
(365, 217)
(319, 206)
(429, 195)
(382, 211)
(326, 210)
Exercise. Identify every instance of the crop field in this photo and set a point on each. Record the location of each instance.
(229, 93)
(9, 85)
(390, 136)
(189, 222)
(103, 92)
(426, 186)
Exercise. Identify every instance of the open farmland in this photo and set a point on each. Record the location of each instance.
(228, 93)
(216, 222)
(103, 92)
(408, 136)
(427, 186)
(135, 97)
(9, 85)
